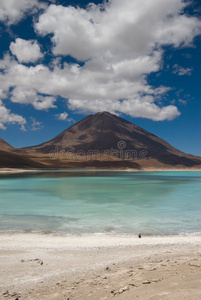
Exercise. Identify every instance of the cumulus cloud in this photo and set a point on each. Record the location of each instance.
(75, 82)
(119, 43)
(25, 83)
(133, 107)
(63, 116)
(30, 96)
(6, 117)
(117, 29)
(12, 11)
(23, 128)
(183, 102)
(35, 125)
(181, 71)
(26, 51)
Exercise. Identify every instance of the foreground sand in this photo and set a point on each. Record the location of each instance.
(36, 266)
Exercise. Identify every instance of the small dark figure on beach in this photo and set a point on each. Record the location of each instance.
(139, 235)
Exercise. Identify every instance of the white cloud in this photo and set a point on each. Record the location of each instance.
(183, 102)
(2, 126)
(133, 107)
(12, 11)
(23, 128)
(26, 82)
(181, 71)
(94, 82)
(63, 116)
(44, 103)
(2, 94)
(26, 51)
(117, 29)
(120, 43)
(35, 125)
(30, 96)
(6, 117)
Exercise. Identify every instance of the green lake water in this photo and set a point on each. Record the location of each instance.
(101, 202)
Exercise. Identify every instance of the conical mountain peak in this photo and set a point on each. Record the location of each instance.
(104, 132)
(105, 114)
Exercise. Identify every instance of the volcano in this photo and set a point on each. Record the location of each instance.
(104, 133)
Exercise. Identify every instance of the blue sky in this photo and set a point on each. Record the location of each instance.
(62, 60)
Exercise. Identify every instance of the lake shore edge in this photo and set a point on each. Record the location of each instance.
(62, 241)
(90, 241)
(18, 171)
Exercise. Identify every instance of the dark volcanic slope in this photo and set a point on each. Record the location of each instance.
(104, 131)
(9, 159)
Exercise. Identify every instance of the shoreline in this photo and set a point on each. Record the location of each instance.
(37, 266)
(94, 241)
(18, 171)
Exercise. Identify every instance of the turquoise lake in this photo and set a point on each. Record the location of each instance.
(101, 202)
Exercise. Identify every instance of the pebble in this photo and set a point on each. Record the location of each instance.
(132, 284)
(6, 292)
(123, 289)
(194, 265)
(38, 260)
(146, 282)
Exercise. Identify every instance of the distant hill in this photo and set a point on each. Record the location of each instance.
(5, 146)
(11, 158)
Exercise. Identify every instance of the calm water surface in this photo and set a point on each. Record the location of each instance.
(101, 202)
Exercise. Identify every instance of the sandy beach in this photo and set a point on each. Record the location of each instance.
(50, 266)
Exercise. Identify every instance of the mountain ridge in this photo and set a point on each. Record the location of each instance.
(5, 146)
(105, 140)
(102, 126)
